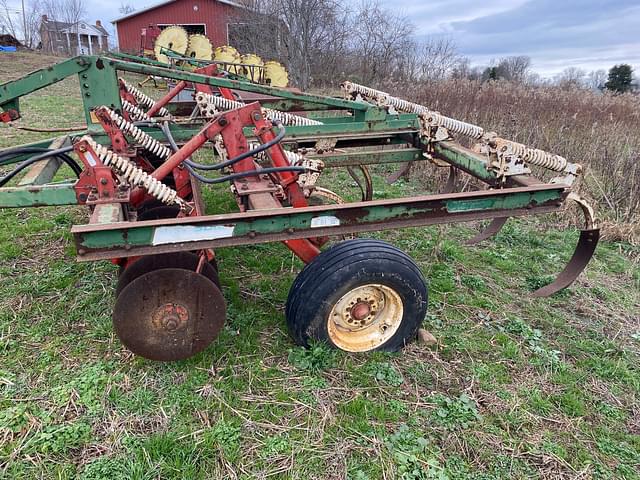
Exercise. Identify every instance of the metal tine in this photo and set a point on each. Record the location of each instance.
(492, 229)
(581, 257)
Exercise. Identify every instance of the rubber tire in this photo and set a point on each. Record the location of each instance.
(340, 269)
(183, 260)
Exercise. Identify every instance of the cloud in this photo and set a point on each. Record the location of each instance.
(556, 34)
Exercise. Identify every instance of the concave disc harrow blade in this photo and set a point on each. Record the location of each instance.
(169, 314)
(149, 263)
(581, 257)
(492, 229)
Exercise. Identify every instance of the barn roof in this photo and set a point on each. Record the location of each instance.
(166, 2)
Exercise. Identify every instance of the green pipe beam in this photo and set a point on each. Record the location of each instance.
(238, 85)
(38, 196)
(466, 160)
(377, 157)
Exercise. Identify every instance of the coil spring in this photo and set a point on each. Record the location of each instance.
(144, 99)
(382, 98)
(136, 176)
(146, 141)
(533, 156)
(456, 126)
(221, 103)
(538, 157)
(292, 157)
(135, 113)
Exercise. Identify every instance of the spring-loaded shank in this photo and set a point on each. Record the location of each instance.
(433, 118)
(213, 104)
(135, 175)
(136, 114)
(532, 156)
(144, 99)
(143, 139)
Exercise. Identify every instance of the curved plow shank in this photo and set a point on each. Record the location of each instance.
(581, 257)
(403, 170)
(492, 229)
(452, 179)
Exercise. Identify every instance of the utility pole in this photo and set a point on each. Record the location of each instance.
(24, 26)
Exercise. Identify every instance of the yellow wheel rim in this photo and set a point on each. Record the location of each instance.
(365, 318)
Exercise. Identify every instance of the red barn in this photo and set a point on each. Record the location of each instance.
(209, 17)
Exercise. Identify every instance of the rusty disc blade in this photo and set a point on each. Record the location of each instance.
(149, 263)
(581, 257)
(169, 314)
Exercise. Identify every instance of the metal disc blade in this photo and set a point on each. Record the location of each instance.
(169, 314)
(581, 257)
(149, 263)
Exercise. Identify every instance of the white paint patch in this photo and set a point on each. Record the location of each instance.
(190, 233)
(325, 221)
(90, 158)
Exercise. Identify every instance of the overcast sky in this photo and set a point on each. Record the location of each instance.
(556, 34)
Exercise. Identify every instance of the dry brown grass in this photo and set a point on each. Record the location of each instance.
(600, 131)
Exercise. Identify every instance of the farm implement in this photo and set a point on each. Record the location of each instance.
(141, 163)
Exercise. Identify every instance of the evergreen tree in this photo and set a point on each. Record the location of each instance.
(620, 78)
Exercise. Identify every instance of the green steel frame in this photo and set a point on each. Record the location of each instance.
(359, 124)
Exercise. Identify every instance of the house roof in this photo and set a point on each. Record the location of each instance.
(63, 27)
(166, 2)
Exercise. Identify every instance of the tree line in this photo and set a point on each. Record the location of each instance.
(325, 40)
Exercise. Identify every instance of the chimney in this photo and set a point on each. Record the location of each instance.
(45, 18)
(98, 23)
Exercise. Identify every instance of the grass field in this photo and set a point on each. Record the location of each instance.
(515, 388)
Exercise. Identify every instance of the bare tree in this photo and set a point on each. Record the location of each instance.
(22, 28)
(596, 79)
(438, 58)
(301, 33)
(381, 41)
(9, 21)
(513, 69)
(126, 8)
(570, 77)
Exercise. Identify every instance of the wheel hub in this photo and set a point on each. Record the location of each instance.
(365, 317)
(170, 316)
(360, 311)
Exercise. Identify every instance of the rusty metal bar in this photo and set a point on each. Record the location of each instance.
(96, 242)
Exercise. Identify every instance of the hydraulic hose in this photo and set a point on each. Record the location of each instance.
(226, 178)
(218, 166)
(249, 173)
(60, 153)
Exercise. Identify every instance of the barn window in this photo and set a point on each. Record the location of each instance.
(191, 28)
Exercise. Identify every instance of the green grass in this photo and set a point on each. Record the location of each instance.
(516, 387)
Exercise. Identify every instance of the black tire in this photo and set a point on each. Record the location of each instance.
(341, 269)
(149, 263)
